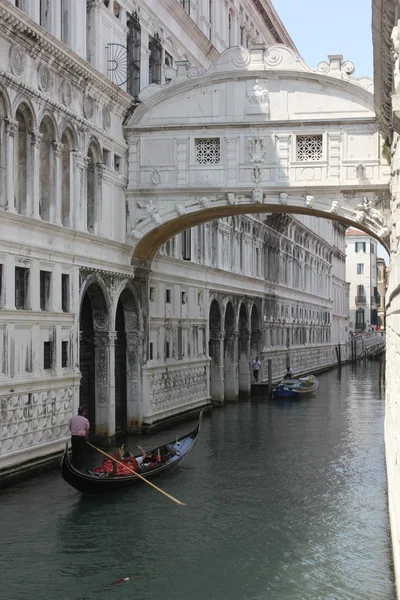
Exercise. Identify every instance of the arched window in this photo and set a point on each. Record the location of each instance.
(21, 146)
(46, 170)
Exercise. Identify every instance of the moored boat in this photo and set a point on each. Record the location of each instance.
(293, 388)
(97, 481)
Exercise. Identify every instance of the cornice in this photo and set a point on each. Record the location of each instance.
(274, 24)
(16, 26)
(186, 22)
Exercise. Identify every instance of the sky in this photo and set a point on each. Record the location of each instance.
(319, 28)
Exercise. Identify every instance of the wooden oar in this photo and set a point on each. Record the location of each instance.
(137, 475)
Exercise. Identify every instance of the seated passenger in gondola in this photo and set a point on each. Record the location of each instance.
(149, 461)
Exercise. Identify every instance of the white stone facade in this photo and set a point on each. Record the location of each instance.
(361, 273)
(92, 191)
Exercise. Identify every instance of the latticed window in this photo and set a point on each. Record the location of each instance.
(309, 147)
(208, 151)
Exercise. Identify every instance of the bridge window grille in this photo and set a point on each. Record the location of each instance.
(309, 148)
(64, 355)
(47, 355)
(208, 151)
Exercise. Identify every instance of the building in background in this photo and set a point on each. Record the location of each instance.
(72, 325)
(361, 273)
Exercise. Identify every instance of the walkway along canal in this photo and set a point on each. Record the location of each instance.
(285, 501)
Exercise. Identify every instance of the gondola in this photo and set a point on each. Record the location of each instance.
(88, 482)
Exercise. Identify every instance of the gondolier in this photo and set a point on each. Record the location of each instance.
(79, 427)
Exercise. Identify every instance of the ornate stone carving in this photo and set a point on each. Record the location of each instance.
(258, 195)
(283, 198)
(258, 174)
(360, 171)
(180, 209)
(66, 93)
(17, 60)
(156, 177)
(152, 211)
(367, 208)
(258, 100)
(310, 201)
(230, 198)
(205, 202)
(175, 389)
(88, 106)
(106, 117)
(136, 234)
(44, 79)
(256, 149)
(335, 207)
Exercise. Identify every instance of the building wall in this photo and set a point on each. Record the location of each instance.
(72, 324)
(361, 273)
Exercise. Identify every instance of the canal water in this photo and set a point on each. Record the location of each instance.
(285, 500)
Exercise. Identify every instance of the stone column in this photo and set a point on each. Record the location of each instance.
(98, 208)
(104, 342)
(55, 206)
(134, 354)
(244, 361)
(33, 191)
(9, 200)
(231, 370)
(217, 366)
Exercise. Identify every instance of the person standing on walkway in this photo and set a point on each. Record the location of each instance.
(79, 427)
(256, 368)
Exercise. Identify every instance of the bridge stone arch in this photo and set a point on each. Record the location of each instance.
(259, 132)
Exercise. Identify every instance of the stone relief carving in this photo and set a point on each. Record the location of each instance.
(44, 79)
(136, 234)
(360, 171)
(367, 208)
(258, 99)
(256, 149)
(283, 198)
(177, 388)
(153, 213)
(106, 117)
(180, 209)
(66, 93)
(205, 202)
(335, 207)
(230, 198)
(310, 201)
(258, 174)
(88, 106)
(258, 195)
(28, 420)
(17, 60)
(156, 177)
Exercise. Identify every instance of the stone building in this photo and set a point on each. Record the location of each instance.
(361, 273)
(382, 284)
(83, 318)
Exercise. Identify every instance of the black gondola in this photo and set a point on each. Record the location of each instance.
(88, 482)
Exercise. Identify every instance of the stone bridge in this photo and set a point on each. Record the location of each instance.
(259, 132)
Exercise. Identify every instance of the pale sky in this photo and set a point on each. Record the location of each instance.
(319, 28)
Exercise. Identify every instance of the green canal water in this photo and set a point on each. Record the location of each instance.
(285, 500)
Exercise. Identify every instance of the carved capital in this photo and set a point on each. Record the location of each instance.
(11, 126)
(36, 138)
(57, 148)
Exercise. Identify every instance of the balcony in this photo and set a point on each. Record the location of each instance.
(361, 299)
(376, 299)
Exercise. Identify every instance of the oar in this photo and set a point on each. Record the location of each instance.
(137, 475)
